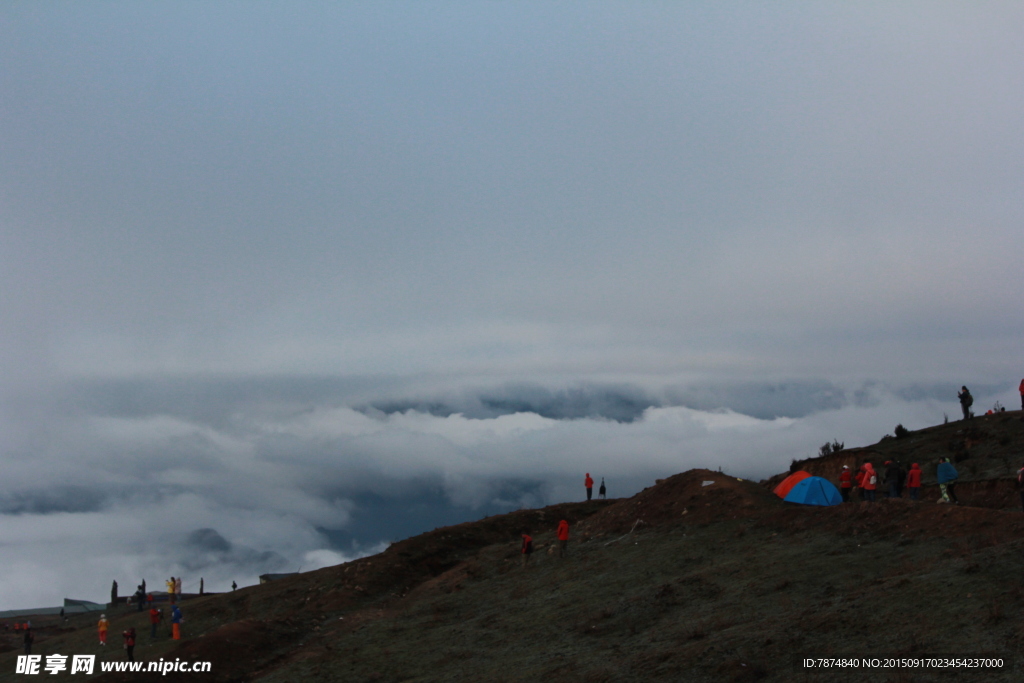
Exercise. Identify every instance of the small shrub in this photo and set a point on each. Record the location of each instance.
(901, 431)
(830, 448)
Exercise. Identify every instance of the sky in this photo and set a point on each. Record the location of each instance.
(283, 282)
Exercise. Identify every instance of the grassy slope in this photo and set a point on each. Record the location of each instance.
(719, 582)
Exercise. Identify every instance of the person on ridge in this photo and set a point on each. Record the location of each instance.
(589, 483)
(563, 537)
(102, 625)
(870, 482)
(170, 589)
(602, 492)
(966, 401)
(527, 548)
(176, 620)
(946, 475)
(914, 482)
(129, 643)
(177, 587)
(845, 483)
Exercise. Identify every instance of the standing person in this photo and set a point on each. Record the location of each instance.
(589, 483)
(870, 482)
(154, 620)
(603, 492)
(527, 548)
(1021, 394)
(113, 595)
(177, 587)
(129, 643)
(170, 589)
(102, 625)
(845, 483)
(28, 639)
(200, 585)
(914, 482)
(892, 478)
(966, 401)
(860, 481)
(176, 620)
(563, 537)
(140, 597)
(234, 585)
(144, 587)
(947, 475)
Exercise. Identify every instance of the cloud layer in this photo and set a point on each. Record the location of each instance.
(275, 484)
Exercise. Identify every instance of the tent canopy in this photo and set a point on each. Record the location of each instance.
(814, 491)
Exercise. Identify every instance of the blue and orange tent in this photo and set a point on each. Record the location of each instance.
(814, 491)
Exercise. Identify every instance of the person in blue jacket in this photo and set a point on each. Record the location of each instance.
(176, 620)
(947, 475)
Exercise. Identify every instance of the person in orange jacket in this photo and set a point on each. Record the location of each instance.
(914, 481)
(845, 483)
(589, 483)
(870, 482)
(860, 481)
(527, 548)
(563, 537)
(102, 625)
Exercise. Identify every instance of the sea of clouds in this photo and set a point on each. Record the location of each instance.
(225, 481)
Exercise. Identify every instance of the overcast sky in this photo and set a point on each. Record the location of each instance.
(282, 281)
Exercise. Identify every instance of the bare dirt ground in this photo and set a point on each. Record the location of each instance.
(686, 581)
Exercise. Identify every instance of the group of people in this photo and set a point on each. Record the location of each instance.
(867, 481)
(25, 628)
(966, 401)
(173, 589)
(588, 483)
(561, 532)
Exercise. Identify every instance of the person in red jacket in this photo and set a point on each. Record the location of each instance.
(527, 548)
(563, 537)
(845, 483)
(1022, 394)
(129, 643)
(914, 482)
(155, 615)
(589, 483)
(870, 482)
